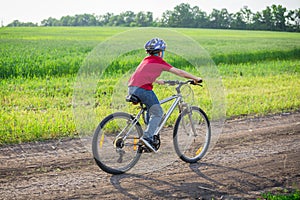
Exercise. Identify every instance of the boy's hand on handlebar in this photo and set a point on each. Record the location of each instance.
(160, 82)
(197, 81)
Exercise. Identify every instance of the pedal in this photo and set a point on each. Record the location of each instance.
(143, 149)
(156, 141)
(138, 145)
(146, 150)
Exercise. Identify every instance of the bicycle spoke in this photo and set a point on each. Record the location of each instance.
(191, 135)
(115, 142)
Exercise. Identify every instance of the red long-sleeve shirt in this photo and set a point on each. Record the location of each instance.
(148, 71)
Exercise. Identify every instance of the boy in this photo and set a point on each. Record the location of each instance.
(141, 84)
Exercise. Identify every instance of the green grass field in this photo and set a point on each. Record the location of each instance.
(38, 67)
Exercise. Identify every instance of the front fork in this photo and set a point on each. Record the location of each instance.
(188, 108)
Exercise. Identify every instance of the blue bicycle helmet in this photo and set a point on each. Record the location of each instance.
(155, 45)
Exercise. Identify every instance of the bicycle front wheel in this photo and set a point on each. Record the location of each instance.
(191, 134)
(115, 143)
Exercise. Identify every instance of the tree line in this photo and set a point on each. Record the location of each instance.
(273, 18)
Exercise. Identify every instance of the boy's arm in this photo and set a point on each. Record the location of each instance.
(184, 74)
(160, 82)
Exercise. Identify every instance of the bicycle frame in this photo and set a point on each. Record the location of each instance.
(178, 102)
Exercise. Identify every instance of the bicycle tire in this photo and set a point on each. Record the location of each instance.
(111, 154)
(191, 146)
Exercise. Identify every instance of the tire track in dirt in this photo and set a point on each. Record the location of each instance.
(251, 156)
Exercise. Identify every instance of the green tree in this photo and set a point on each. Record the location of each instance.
(105, 19)
(258, 23)
(67, 21)
(166, 18)
(267, 19)
(85, 20)
(16, 23)
(279, 15)
(200, 18)
(126, 18)
(181, 16)
(143, 19)
(293, 20)
(220, 19)
(50, 22)
(247, 17)
(238, 21)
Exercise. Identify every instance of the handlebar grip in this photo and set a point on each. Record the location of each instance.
(198, 82)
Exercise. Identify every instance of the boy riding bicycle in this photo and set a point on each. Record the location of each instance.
(141, 82)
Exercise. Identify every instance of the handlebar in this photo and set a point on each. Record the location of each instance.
(180, 83)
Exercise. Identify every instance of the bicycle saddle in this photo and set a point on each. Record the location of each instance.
(133, 98)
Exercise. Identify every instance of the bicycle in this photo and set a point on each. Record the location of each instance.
(116, 146)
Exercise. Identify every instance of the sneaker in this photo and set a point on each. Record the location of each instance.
(148, 143)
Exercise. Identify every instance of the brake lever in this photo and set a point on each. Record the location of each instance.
(198, 84)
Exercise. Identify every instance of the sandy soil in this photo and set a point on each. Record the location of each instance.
(252, 156)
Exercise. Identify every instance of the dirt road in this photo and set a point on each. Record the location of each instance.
(251, 156)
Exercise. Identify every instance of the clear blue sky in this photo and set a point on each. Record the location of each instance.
(37, 10)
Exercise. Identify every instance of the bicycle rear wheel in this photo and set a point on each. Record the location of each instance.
(191, 134)
(112, 152)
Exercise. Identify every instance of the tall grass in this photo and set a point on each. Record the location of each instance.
(41, 108)
(44, 51)
(40, 58)
(256, 56)
(36, 109)
(285, 195)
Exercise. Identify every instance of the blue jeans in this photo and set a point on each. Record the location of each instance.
(154, 110)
